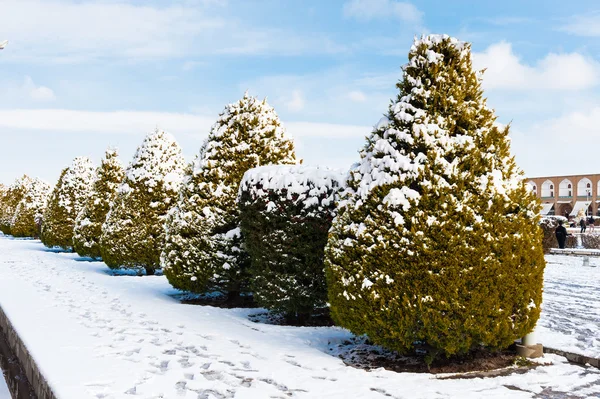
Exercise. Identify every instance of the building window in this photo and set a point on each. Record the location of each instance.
(569, 186)
(588, 185)
(552, 188)
(551, 192)
(570, 192)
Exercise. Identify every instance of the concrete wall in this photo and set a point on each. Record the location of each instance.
(34, 376)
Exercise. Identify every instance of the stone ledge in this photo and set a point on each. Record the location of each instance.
(574, 357)
(34, 376)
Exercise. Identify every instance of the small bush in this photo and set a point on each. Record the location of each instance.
(66, 201)
(203, 250)
(286, 213)
(133, 235)
(88, 225)
(28, 217)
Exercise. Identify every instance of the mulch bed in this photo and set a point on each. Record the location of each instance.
(319, 319)
(361, 353)
(217, 300)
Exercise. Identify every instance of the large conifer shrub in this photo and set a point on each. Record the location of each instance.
(65, 203)
(28, 216)
(286, 212)
(88, 225)
(133, 234)
(204, 248)
(11, 197)
(436, 239)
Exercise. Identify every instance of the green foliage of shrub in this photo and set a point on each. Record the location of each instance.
(203, 247)
(436, 239)
(27, 220)
(285, 214)
(9, 200)
(88, 225)
(133, 235)
(65, 203)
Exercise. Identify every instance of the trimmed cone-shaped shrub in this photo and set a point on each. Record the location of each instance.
(285, 213)
(204, 250)
(436, 239)
(28, 217)
(88, 225)
(65, 203)
(133, 234)
(11, 197)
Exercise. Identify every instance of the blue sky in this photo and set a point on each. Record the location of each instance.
(78, 76)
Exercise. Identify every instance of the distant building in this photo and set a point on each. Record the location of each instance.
(566, 195)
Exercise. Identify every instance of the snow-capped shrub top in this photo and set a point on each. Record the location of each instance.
(36, 194)
(29, 213)
(158, 160)
(305, 185)
(76, 182)
(387, 157)
(248, 130)
(11, 198)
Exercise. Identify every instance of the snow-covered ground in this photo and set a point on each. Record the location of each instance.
(95, 335)
(571, 307)
(4, 394)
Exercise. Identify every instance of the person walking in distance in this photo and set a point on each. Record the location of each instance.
(591, 223)
(582, 225)
(561, 234)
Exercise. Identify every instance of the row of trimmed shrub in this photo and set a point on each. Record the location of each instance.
(431, 238)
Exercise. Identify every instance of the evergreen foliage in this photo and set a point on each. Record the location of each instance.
(28, 216)
(204, 248)
(133, 234)
(65, 203)
(11, 196)
(88, 225)
(285, 215)
(436, 239)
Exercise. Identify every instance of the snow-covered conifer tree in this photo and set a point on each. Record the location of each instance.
(28, 215)
(88, 225)
(436, 239)
(285, 213)
(133, 234)
(65, 203)
(11, 197)
(204, 250)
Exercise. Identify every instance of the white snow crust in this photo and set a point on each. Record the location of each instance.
(95, 335)
(309, 185)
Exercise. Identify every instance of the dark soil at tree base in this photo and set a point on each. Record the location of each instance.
(318, 319)
(362, 354)
(218, 301)
(15, 377)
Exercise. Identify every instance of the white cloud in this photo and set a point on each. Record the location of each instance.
(558, 146)
(584, 25)
(66, 31)
(358, 96)
(37, 93)
(366, 10)
(296, 102)
(191, 65)
(504, 70)
(134, 122)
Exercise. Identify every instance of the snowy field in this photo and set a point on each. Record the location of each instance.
(95, 335)
(4, 394)
(571, 308)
